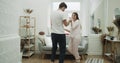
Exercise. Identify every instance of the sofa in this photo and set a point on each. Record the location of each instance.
(45, 45)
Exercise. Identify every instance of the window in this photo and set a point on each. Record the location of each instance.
(71, 7)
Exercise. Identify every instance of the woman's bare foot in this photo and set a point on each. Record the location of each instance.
(78, 60)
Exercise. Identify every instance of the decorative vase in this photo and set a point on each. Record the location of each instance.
(111, 33)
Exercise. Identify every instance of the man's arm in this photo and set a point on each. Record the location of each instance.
(66, 23)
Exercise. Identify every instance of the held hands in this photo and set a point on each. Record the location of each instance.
(70, 19)
(68, 22)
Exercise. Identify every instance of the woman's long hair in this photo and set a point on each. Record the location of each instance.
(76, 15)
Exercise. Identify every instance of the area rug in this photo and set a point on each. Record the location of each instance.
(94, 60)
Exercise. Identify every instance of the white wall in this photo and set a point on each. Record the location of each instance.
(109, 8)
(9, 38)
(40, 11)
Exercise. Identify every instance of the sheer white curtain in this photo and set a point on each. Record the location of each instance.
(84, 17)
(87, 9)
(94, 4)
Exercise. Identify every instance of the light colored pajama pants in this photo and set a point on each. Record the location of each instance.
(73, 47)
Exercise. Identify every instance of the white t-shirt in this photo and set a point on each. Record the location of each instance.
(57, 18)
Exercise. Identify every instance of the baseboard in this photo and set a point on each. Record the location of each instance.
(20, 62)
(95, 53)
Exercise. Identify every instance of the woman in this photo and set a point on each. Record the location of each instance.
(75, 37)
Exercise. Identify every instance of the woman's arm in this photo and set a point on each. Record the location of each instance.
(76, 25)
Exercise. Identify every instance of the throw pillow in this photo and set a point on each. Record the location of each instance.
(48, 41)
(42, 39)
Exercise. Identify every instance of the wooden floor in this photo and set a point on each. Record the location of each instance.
(68, 59)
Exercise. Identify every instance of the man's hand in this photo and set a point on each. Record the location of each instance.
(67, 30)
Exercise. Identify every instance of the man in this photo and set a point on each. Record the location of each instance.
(58, 18)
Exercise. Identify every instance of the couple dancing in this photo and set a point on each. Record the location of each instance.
(58, 19)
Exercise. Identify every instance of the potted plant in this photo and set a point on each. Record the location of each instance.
(28, 11)
(110, 30)
(96, 29)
